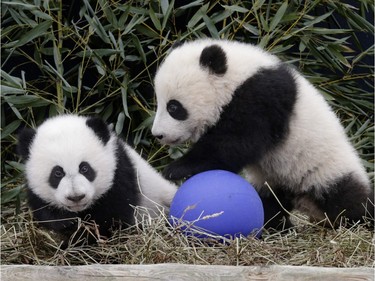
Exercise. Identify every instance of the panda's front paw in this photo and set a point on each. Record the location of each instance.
(176, 171)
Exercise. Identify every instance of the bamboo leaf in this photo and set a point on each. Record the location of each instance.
(10, 128)
(257, 4)
(23, 5)
(167, 10)
(41, 15)
(124, 16)
(264, 23)
(109, 14)
(120, 123)
(14, 81)
(11, 194)
(10, 90)
(165, 6)
(197, 16)
(154, 19)
(190, 5)
(26, 100)
(279, 15)
(113, 40)
(139, 48)
(58, 73)
(35, 32)
(318, 19)
(252, 29)
(211, 27)
(236, 8)
(124, 96)
(339, 56)
(99, 66)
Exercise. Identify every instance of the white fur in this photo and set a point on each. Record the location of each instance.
(67, 141)
(317, 150)
(155, 191)
(180, 77)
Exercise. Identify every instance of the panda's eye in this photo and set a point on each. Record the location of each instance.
(172, 108)
(57, 173)
(86, 170)
(176, 110)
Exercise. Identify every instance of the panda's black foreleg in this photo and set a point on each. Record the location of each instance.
(187, 166)
(276, 210)
(200, 160)
(211, 152)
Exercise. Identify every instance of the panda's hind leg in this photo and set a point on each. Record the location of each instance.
(347, 198)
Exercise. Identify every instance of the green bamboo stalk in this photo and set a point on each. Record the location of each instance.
(58, 60)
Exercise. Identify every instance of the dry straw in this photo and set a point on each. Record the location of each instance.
(153, 240)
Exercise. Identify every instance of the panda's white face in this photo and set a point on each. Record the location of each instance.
(182, 115)
(196, 81)
(187, 97)
(69, 166)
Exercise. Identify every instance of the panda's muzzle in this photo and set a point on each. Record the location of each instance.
(164, 140)
(76, 198)
(76, 203)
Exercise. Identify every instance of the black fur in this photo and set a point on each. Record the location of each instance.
(25, 138)
(344, 199)
(100, 128)
(255, 121)
(56, 175)
(86, 170)
(177, 44)
(275, 215)
(176, 110)
(109, 212)
(252, 124)
(214, 58)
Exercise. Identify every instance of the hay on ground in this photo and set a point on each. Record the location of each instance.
(153, 241)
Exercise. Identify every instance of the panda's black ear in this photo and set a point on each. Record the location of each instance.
(25, 138)
(214, 59)
(100, 128)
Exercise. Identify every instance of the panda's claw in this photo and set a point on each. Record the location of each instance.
(176, 171)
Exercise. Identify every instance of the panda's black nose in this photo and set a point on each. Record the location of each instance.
(76, 198)
(159, 137)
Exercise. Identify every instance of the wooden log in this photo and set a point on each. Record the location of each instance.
(181, 272)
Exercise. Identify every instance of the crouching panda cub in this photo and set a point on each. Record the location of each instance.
(247, 111)
(76, 167)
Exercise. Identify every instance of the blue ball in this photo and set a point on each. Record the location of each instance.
(219, 203)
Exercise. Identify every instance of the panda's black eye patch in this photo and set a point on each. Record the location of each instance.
(57, 173)
(86, 170)
(177, 110)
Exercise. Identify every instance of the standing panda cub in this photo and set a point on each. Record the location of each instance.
(76, 166)
(247, 111)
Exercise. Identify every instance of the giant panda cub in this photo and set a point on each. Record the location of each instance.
(247, 111)
(76, 167)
